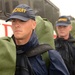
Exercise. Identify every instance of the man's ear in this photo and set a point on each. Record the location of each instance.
(34, 24)
(70, 27)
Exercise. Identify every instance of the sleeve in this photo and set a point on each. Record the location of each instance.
(57, 65)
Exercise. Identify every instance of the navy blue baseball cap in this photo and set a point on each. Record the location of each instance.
(22, 12)
(63, 21)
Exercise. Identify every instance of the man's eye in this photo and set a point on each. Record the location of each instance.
(65, 26)
(22, 21)
(13, 20)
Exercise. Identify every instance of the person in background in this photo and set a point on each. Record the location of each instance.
(25, 39)
(64, 42)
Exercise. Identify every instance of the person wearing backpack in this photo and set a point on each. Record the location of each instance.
(25, 39)
(64, 42)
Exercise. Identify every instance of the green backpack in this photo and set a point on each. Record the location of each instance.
(44, 31)
(73, 28)
(7, 56)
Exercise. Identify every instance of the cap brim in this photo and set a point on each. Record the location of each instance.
(17, 17)
(62, 24)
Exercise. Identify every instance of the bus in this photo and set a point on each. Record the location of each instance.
(43, 8)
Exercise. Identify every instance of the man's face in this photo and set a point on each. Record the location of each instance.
(22, 29)
(63, 31)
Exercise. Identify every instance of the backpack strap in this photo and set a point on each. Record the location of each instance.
(38, 50)
(43, 50)
(45, 57)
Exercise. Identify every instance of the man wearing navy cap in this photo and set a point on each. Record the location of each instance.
(64, 42)
(23, 25)
(63, 27)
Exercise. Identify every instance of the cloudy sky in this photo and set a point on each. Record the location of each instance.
(67, 7)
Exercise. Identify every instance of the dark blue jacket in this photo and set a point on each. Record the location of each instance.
(67, 50)
(57, 66)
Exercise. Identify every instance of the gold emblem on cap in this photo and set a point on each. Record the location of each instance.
(62, 19)
(19, 10)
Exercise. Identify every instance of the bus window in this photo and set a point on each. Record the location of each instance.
(7, 7)
(38, 6)
(15, 3)
(11, 4)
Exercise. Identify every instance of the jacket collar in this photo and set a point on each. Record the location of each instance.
(70, 37)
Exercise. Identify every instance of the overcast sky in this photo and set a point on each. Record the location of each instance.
(67, 7)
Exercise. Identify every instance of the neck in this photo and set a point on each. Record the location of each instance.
(64, 37)
(20, 42)
(23, 40)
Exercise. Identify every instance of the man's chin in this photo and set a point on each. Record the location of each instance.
(18, 37)
(62, 35)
